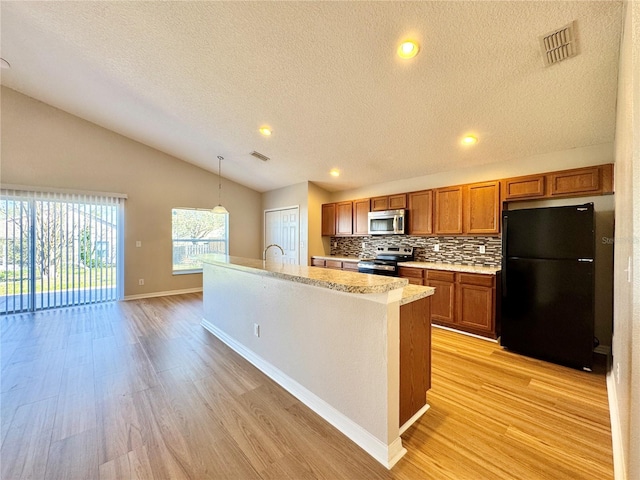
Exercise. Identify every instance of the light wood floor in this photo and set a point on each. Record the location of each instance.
(139, 390)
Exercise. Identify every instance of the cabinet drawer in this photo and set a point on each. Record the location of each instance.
(333, 264)
(414, 280)
(317, 262)
(476, 279)
(440, 275)
(410, 272)
(351, 266)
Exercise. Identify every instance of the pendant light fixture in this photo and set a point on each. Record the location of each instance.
(220, 208)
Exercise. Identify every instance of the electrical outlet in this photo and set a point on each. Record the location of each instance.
(363, 245)
(436, 247)
(256, 330)
(481, 249)
(138, 243)
(141, 281)
(335, 244)
(618, 373)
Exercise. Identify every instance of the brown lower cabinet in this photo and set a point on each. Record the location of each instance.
(463, 301)
(351, 266)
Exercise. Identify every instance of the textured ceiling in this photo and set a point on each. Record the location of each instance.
(197, 79)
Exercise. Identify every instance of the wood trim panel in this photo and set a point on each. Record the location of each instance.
(317, 262)
(351, 266)
(415, 357)
(333, 264)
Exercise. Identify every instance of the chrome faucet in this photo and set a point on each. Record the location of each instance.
(264, 254)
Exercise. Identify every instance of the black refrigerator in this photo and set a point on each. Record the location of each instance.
(548, 261)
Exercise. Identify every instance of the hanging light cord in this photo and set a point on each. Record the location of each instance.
(220, 158)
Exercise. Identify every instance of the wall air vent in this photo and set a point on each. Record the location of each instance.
(559, 45)
(260, 156)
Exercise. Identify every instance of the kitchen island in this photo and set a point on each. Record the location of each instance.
(331, 338)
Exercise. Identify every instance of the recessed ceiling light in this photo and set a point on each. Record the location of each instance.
(266, 131)
(408, 49)
(335, 172)
(4, 63)
(469, 140)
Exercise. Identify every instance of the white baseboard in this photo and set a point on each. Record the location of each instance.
(413, 419)
(387, 455)
(163, 294)
(619, 465)
(465, 333)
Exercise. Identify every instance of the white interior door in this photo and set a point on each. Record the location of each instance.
(282, 227)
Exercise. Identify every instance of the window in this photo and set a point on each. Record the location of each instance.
(196, 232)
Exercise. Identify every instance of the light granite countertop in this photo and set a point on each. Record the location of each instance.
(339, 280)
(411, 293)
(452, 267)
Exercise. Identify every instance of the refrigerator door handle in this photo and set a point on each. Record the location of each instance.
(585, 260)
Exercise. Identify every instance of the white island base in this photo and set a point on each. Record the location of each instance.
(337, 352)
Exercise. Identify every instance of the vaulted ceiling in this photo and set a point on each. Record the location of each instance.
(197, 79)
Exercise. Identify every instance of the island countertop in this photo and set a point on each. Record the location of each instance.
(338, 280)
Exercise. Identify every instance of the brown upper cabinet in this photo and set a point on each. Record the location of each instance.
(472, 209)
(448, 210)
(344, 218)
(421, 213)
(361, 216)
(482, 208)
(329, 219)
(596, 180)
(592, 180)
(531, 186)
(389, 202)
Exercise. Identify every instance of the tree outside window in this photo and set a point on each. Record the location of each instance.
(196, 232)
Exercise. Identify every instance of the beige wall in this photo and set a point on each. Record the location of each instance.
(626, 337)
(46, 147)
(318, 245)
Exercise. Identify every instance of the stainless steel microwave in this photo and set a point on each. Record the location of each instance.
(389, 222)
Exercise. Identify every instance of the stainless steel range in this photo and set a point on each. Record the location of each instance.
(386, 260)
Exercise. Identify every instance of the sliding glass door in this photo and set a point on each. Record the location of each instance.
(58, 250)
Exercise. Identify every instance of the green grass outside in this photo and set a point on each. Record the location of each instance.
(72, 278)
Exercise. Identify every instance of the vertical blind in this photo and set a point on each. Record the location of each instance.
(58, 249)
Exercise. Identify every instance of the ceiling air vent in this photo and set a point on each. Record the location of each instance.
(260, 156)
(559, 45)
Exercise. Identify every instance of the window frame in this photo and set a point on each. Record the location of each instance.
(225, 240)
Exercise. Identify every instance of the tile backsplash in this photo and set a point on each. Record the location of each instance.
(463, 250)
